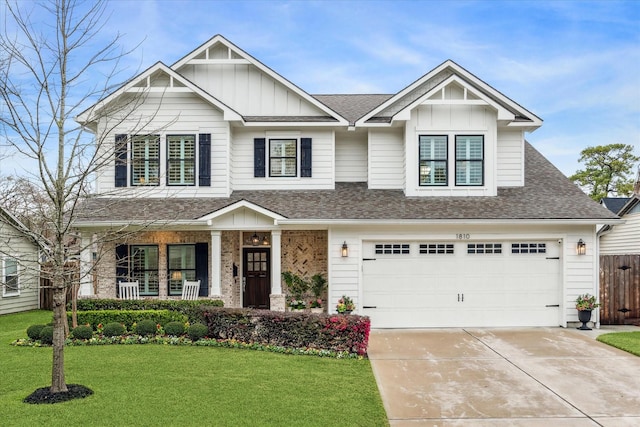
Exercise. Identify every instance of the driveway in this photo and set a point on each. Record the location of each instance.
(504, 377)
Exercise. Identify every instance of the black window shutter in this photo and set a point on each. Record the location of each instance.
(204, 140)
(121, 160)
(122, 265)
(202, 268)
(305, 157)
(259, 169)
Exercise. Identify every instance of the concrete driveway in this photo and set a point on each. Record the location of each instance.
(504, 377)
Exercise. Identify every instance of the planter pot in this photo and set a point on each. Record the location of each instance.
(317, 310)
(296, 310)
(346, 312)
(584, 316)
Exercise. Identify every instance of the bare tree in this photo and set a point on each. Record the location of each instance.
(49, 53)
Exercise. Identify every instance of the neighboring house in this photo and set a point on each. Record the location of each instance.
(19, 267)
(427, 207)
(620, 261)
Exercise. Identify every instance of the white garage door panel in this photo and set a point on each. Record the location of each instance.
(461, 289)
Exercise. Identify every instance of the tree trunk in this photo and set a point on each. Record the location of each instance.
(58, 383)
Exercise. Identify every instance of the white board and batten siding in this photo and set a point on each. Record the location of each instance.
(386, 159)
(510, 152)
(15, 245)
(247, 89)
(322, 163)
(351, 156)
(623, 238)
(581, 272)
(173, 113)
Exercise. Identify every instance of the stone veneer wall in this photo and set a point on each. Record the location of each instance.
(230, 286)
(304, 253)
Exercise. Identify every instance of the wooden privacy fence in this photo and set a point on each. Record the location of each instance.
(620, 289)
(46, 293)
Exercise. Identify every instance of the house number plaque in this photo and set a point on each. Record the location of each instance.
(463, 236)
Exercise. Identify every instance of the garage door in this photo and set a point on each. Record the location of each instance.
(461, 284)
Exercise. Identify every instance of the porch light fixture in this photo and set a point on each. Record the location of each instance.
(265, 241)
(581, 247)
(255, 240)
(345, 250)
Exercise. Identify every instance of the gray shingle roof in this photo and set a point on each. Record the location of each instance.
(352, 107)
(547, 195)
(614, 204)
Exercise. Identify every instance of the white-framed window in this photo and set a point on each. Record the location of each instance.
(181, 160)
(283, 159)
(144, 268)
(392, 249)
(470, 160)
(433, 160)
(182, 266)
(10, 278)
(484, 248)
(145, 160)
(528, 248)
(436, 248)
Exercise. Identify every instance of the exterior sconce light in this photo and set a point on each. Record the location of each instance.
(345, 250)
(581, 247)
(265, 241)
(255, 240)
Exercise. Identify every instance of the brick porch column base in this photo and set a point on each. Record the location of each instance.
(278, 302)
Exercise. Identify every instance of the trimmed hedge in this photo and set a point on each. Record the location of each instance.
(127, 317)
(192, 309)
(33, 331)
(82, 332)
(113, 329)
(174, 328)
(338, 333)
(46, 335)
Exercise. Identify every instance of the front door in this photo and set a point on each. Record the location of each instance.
(256, 278)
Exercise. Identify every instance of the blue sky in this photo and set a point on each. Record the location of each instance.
(575, 64)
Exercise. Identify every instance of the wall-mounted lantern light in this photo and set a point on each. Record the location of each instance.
(345, 250)
(255, 240)
(581, 247)
(265, 241)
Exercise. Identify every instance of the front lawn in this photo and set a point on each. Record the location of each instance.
(183, 385)
(627, 341)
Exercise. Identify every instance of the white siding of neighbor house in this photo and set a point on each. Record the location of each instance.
(622, 238)
(351, 156)
(386, 159)
(322, 167)
(171, 113)
(248, 90)
(451, 120)
(17, 246)
(578, 271)
(510, 166)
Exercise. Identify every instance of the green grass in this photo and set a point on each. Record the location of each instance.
(150, 385)
(627, 341)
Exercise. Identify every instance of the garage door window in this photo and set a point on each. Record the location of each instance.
(436, 248)
(528, 248)
(392, 248)
(484, 248)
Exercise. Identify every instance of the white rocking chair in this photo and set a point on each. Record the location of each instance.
(129, 290)
(190, 290)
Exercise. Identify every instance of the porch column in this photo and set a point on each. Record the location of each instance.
(86, 273)
(277, 299)
(216, 261)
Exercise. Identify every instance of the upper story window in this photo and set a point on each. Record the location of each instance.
(433, 160)
(283, 157)
(181, 160)
(145, 160)
(469, 160)
(11, 285)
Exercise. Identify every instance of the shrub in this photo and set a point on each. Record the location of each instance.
(46, 335)
(197, 331)
(192, 309)
(82, 332)
(33, 331)
(128, 317)
(146, 327)
(174, 328)
(113, 329)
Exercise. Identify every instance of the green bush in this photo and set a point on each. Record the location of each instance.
(197, 331)
(192, 309)
(33, 331)
(82, 332)
(299, 330)
(113, 329)
(128, 317)
(46, 335)
(174, 328)
(146, 327)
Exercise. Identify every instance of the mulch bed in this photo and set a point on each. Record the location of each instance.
(44, 395)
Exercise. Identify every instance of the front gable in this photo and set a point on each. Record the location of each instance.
(242, 215)
(260, 94)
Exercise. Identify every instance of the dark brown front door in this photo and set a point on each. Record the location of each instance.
(257, 279)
